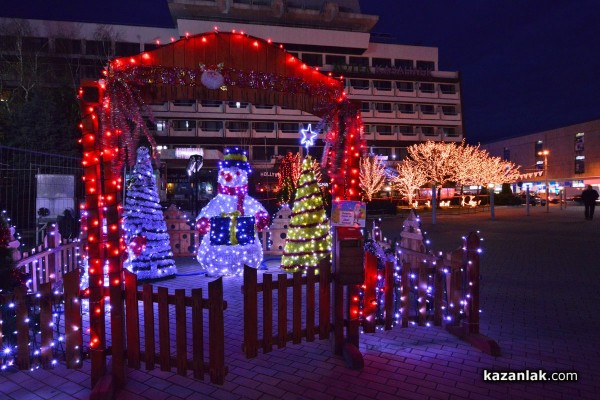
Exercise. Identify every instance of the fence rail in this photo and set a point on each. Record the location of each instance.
(51, 263)
(214, 304)
(252, 287)
(30, 330)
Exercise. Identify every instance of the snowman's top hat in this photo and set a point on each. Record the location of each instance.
(235, 158)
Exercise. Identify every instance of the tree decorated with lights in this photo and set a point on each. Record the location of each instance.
(410, 178)
(308, 239)
(372, 176)
(289, 172)
(149, 248)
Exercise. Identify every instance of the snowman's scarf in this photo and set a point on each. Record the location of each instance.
(239, 191)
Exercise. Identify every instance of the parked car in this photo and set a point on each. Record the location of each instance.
(534, 199)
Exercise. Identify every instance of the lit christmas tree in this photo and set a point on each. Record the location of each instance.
(309, 239)
(150, 255)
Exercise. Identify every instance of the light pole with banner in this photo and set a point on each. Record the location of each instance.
(545, 154)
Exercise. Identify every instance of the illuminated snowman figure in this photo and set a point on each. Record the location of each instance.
(231, 220)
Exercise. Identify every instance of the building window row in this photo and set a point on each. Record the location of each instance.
(319, 60)
(410, 108)
(402, 86)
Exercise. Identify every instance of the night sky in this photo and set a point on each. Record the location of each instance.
(526, 66)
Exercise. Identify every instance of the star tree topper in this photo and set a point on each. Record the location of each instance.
(308, 137)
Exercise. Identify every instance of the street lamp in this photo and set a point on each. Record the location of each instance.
(545, 154)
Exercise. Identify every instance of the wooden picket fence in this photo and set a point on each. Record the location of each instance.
(424, 288)
(26, 308)
(251, 288)
(49, 263)
(215, 305)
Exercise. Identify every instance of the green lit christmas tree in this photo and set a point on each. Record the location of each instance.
(309, 238)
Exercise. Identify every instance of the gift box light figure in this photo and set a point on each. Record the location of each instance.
(230, 222)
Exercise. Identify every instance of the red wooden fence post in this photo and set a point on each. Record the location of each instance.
(405, 293)
(297, 307)
(133, 319)
(324, 298)
(310, 305)
(149, 336)
(216, 334)
(164, 331)
(472, 298)
(45, 327)
(250, 312)
(22, 315)
(73, 320)
(180, 332)
(389, 294)
(267, 313)
(198, 334)
(281, 310)
(370, 293)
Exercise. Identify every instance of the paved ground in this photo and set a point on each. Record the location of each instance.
(540, 301)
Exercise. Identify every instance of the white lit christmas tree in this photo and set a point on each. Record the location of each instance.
(309, 238)
(149, 249)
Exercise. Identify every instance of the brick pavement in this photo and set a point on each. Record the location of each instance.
(539, 301)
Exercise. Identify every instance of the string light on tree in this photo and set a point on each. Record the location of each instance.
(309, 238)
(150, 254)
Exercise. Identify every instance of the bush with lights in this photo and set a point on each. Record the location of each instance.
(149, 248)
(309, 238)
(231, 220)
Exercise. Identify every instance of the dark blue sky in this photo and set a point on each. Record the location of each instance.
(526, 66)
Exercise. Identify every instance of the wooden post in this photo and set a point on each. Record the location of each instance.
(180, 332)
(149, 341)
(117, 327)
(133, 319)
(422, 292)
(216, 334)
(54, 258)
(389, 294)
(281, 310)
(73, 322)
(324, 299)
(455, 286)
(250, 312)
(45, 327)
(22, 315)
(164, 333)
(370, 293)
(353, 320)
(267, 313)
(297, 308)
(438, 282)
(472, 309)
(198, 334)
(338, 318)
(310, 305)
(405, 293)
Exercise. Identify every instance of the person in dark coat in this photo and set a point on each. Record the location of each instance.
(589, 197)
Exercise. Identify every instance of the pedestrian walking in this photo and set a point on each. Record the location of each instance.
(589, 197)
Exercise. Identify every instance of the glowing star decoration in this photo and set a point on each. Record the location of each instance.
(308, 137)
(231, 220)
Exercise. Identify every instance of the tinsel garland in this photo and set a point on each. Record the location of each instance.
(122, 122)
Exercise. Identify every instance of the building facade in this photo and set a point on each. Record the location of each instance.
(573, 156)
(404, 97)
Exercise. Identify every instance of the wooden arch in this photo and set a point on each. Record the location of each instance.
(214, 65)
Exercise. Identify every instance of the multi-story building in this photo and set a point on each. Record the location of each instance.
(403, 95)
(573, 156)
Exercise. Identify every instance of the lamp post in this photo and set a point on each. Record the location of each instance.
(545, 154)
(492, 211)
